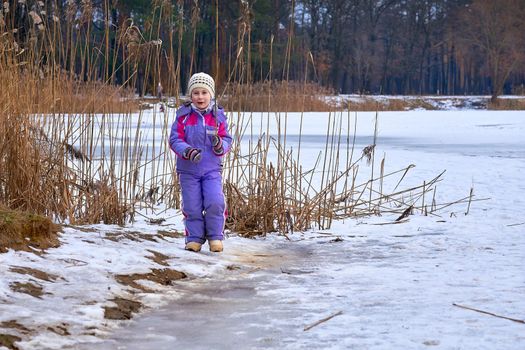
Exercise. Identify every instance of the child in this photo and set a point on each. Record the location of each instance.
(199, 137)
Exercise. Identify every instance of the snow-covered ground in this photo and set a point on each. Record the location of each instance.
(392, 286)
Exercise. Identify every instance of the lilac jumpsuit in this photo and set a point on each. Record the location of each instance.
(203, 203)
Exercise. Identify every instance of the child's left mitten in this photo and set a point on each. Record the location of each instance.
(216, 143)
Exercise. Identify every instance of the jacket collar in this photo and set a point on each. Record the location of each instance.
(203, 112)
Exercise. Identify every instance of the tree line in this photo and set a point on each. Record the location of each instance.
(351, 46)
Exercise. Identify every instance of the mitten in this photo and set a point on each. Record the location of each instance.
(192, 154)
(216, 142)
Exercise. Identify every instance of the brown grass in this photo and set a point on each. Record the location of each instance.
(83, 97)
(61, 94)
(268, 195)
(507, 104)
(369, 104)
(41, 170)
(61, 159)
(278, 96)
(26, 231)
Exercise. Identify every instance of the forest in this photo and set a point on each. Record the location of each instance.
(447, 47)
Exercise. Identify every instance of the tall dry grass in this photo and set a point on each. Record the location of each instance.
(74, 147)
(507, 104)
(54, 120)
(391, 104)
(277, 194)
(284, 96)
(43, 168)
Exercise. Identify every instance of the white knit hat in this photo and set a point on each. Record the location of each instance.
(202, 80)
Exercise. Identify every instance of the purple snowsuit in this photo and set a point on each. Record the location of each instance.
(203, 203)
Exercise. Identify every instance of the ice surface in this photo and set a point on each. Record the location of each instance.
(394, 283)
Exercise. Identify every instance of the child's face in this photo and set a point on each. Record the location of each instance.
(200, 97)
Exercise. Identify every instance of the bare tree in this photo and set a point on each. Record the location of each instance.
(495, 30)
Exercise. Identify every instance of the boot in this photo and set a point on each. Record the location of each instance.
(215, 245)
(193, 246)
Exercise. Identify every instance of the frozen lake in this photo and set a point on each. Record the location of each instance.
(394, 285)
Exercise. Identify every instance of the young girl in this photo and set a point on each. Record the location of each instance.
(199, 137)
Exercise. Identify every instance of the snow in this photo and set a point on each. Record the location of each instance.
(394, 283)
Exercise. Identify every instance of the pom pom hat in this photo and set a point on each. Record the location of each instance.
(202, 80)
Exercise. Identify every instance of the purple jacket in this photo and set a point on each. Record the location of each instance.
(192, 129)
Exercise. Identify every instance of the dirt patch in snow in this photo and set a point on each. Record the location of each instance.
(170, 234)
(158, 257)
(32, 289)
(161, 276)
(124, 309)
(41, 275)
(138, 236)
(14, 325)
(60, 329)
(9, 341)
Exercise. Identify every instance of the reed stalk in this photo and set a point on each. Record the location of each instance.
(77, 147)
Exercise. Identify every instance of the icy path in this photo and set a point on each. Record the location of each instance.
(395, 293)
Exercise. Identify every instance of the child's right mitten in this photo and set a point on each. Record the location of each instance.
(192, 154)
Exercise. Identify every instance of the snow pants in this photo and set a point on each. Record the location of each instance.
(203, 206)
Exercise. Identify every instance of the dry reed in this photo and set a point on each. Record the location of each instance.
(285, 97)
(73, 147)
(507, 104)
